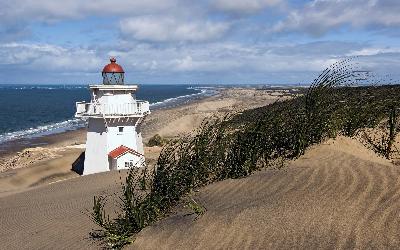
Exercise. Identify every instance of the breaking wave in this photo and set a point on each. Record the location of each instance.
(53, 128)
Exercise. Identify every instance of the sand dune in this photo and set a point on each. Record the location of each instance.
(338, 195)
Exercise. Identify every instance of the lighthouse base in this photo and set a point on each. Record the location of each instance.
(113, 144)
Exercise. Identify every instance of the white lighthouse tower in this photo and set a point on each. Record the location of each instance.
(114, 140)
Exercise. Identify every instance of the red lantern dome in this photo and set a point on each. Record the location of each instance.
(113, 73)
(113, 67)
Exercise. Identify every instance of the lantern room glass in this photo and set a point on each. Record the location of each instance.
(113, 78)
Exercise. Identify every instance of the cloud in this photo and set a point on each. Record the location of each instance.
(321, 16)
(18, 16)
(372, 51)
(49, 10)
(165, 29)
(48, 58)
(240, 6)
(226, 62)
(150, 20)
(228, 57)
(221, 40)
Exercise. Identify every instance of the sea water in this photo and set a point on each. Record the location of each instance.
(36, 110)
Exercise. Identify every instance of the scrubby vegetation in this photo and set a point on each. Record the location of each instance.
(238, 144)
(156, 140)
(195, 207)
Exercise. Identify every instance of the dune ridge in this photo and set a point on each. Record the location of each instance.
(328, 198)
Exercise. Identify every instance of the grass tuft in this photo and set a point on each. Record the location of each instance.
(196, 207)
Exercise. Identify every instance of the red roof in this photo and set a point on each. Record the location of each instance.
(121, 150)
(113, 67)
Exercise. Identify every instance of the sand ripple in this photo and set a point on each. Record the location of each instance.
(53, 216)
(338, 195)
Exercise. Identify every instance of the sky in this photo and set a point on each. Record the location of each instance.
(194, 42)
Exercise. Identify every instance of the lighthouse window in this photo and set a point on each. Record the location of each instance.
(121, 129)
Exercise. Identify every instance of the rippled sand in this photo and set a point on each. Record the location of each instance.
(338, 195)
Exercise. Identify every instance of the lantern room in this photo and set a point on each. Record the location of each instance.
(113, 73)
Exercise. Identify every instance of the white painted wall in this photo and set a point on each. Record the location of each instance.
(139, 141)
(114, 97)
(101, 141)
(127, 138)
(96, 154)
(128, 158)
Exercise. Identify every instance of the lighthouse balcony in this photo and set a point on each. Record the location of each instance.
(136, 109)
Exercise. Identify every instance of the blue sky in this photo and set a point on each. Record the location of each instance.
(204, 42)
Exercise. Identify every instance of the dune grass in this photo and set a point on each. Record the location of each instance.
(238, 144)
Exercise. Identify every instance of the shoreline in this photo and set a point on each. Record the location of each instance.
(28, 135)
(30, 163)
(44, 138)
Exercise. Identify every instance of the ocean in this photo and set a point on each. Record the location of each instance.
(28, 111)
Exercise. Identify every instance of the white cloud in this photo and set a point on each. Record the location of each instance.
(372, 51)
(18, 16)
(228, 57)
(215, 57)
(48, 58)
(240, 6)
(320, 16)
(50, 10)
(164, 29)
(207, 62)
(210, 39)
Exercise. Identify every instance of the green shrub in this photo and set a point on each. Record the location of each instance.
(196, 207)
(156, 140)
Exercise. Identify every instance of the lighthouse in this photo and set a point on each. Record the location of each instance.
(114, 117)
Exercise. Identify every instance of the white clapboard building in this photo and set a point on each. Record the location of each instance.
(114, 140)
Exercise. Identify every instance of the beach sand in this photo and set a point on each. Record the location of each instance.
(340, 194)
